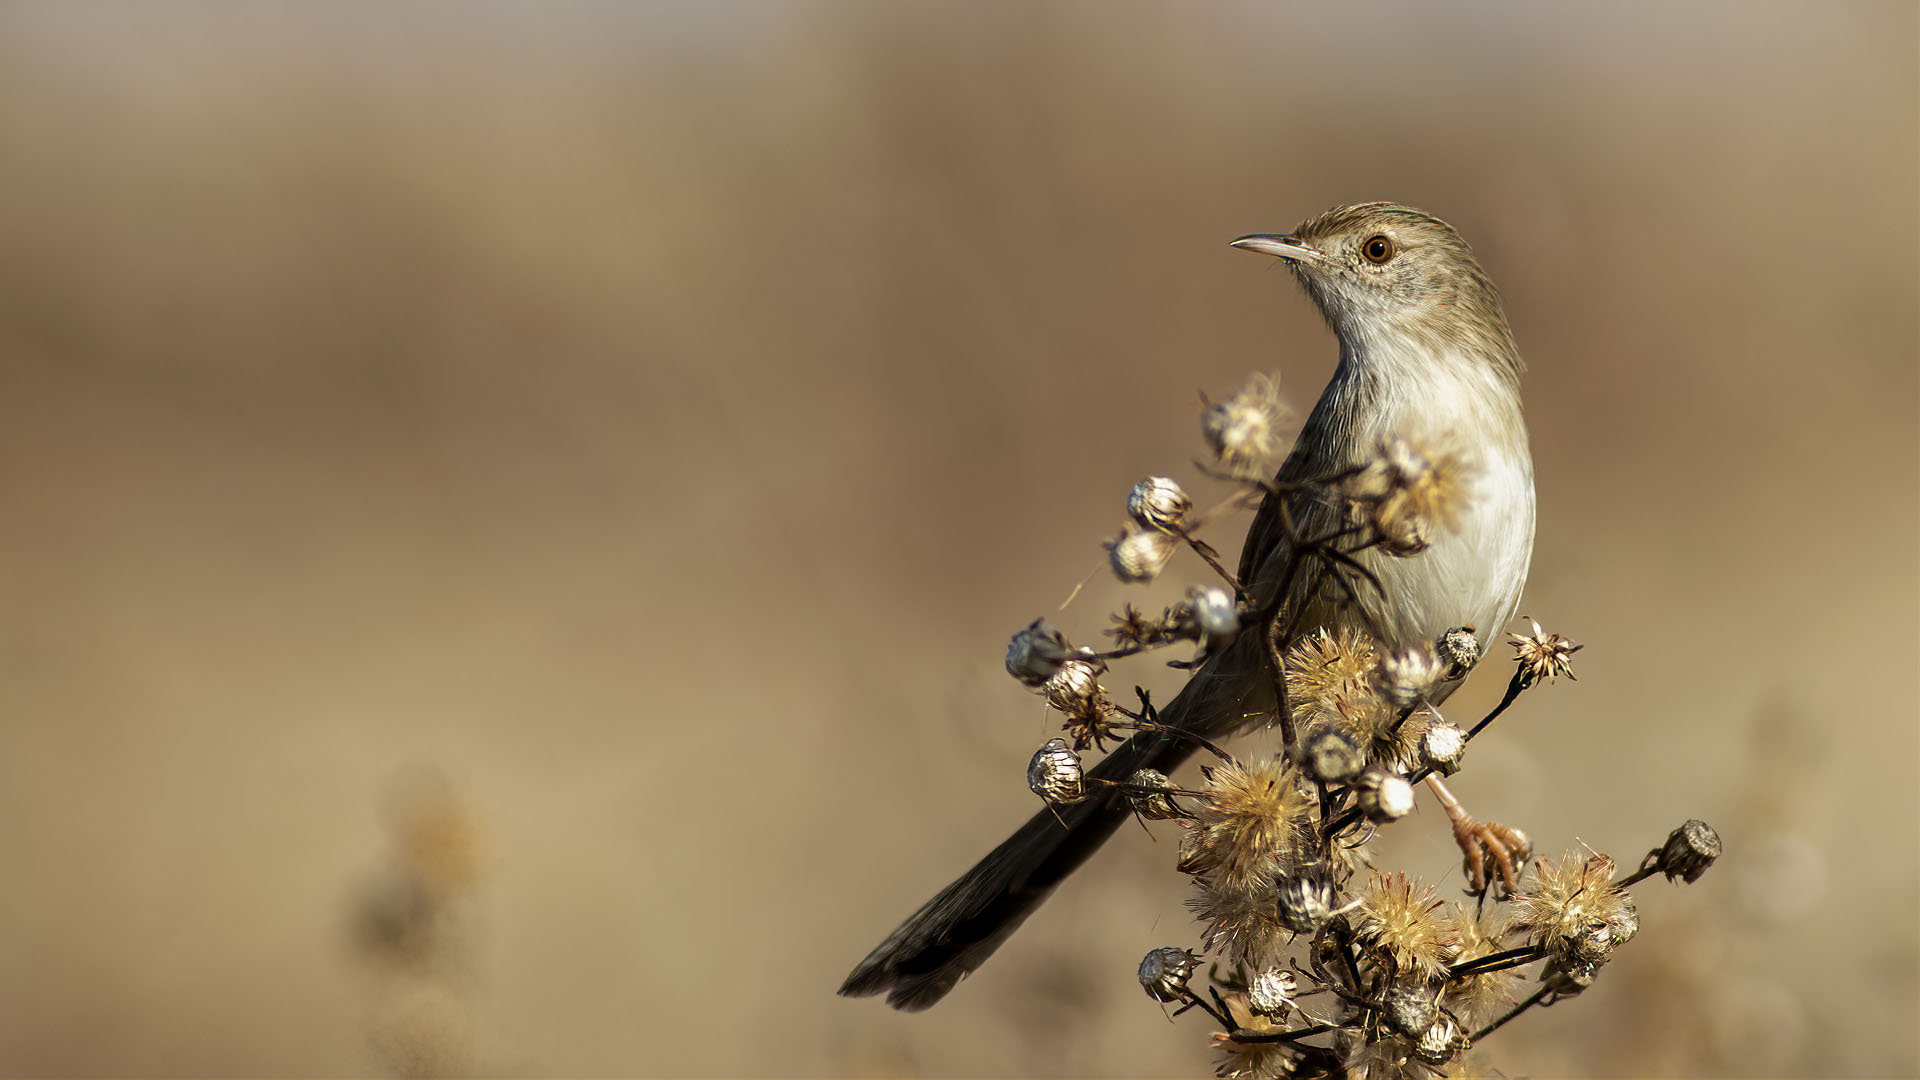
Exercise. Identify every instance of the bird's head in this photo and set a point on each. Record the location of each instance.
(1384, 274)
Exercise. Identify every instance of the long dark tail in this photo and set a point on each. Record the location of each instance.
(954, 933)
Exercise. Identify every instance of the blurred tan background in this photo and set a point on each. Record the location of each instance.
(590, 457)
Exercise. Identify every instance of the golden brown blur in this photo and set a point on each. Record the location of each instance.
(513, 513)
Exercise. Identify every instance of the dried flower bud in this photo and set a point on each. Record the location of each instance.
(1164, 973)
(1542, 656)
(1441, 1042)
(1442, 746)
(1459, 651)
(1272, 992)
(1158, 503)
(1409, 1007)
(1383, 796)
(1214, 612)
(1036, 653)
(1406, 676)
(1243, 430)
(1139, 555)
(1147, 804)
(1304, 902)
(1329, 756)
(1054, 773)
(1568, 977)
(1689, 851)
(1074, 687)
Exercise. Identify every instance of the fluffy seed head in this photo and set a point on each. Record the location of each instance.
(1139, 555)
(1158, 503)
(1250, 824)
(1408, 492)
(1054, 773)
(1569, 904)
(1479, 998)
(1401, 922)
(1244, 430)
(1324, 668)
(1036, 653)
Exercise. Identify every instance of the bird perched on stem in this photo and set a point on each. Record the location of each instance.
(1426, 359)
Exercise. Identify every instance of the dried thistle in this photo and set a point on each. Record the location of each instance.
(1323, 668)
(1244, 431)
(1542, 656)
(1244, 920)
(1478, 998)
(1164, 973)
(1407, 492)
(1570, 905)
(1402, 924)
(1251, 823)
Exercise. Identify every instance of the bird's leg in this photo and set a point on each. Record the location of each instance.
(1488, 847)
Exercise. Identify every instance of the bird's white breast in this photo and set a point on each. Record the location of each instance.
(1473, 574)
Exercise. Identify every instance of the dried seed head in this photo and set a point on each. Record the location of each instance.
(1164, 973)
(1251, 822)
(1242, 919)
(1689, 851)
(1459, 651)
(1158, 503)
(1272, 992)
(1139, 555)
(1323, 669)
(1402, 921)
(1441, 1042)
(1567, 977)
(1569, 905)
(1147, 804)
(1328, 755)
(1243, 431)
(1305, 902)
(1074, 687)
(1405, 493)
(1475, 999)
(1409, 1007)
(1054, 773)
(1214, 612)
(1036, 653)
(1405, 677)
(1382, 795)
(1542, 656)
(1441, 748)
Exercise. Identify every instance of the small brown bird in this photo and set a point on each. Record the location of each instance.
(1426, 355)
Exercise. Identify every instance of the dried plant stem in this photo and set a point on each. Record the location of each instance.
(1538, 996)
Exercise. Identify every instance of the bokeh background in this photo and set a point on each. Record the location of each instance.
(512, 513)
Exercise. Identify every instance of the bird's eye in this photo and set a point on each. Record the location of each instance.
(1377, 249)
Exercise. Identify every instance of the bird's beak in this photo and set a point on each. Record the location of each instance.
(1284, 247)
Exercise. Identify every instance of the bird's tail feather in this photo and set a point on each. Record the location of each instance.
(956, 931)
